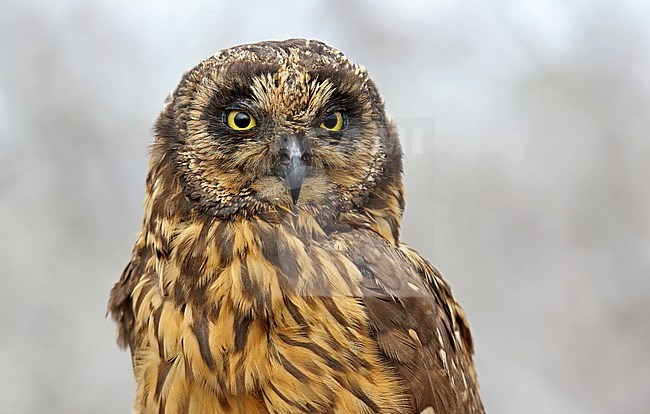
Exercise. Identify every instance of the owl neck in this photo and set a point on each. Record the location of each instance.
(250, 265)
(197, 246)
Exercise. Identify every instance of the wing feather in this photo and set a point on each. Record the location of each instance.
(120, 304)
(418, 325)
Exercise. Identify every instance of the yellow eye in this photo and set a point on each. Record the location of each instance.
(333, 122)
(240, 121)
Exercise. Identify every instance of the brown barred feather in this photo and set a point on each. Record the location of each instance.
(239, 300)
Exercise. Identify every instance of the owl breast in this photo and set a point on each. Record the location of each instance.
(247, 316)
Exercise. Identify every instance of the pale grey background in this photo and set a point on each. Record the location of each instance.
(526, 132)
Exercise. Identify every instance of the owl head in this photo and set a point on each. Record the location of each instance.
(277, 126)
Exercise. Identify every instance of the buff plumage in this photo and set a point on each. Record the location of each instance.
(243, 297)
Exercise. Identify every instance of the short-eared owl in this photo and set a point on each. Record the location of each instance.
(269, 276)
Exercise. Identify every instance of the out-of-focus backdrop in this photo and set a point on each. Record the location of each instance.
(526, 134)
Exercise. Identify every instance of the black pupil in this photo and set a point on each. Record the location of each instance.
(330, 121)
(242, 120)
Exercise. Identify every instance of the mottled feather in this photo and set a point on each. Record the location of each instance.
(240, 298)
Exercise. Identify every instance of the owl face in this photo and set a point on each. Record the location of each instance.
(277, 124)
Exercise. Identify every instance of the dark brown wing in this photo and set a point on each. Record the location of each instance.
(120, 303)
(418, 325)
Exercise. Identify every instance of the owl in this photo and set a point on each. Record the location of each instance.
(269, 275)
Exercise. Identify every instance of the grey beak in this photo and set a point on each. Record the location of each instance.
(293, 169)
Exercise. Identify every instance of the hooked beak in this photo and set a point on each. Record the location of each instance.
(292, 169)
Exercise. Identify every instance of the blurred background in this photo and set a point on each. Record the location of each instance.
(526, 134)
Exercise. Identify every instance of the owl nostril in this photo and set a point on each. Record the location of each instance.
(292, 147)
(291, 167)
(283, 156)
